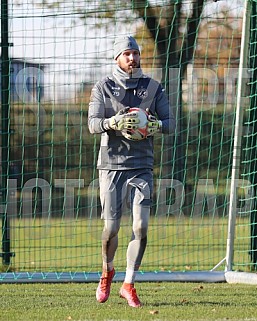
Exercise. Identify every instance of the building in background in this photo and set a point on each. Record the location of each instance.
(26, 81)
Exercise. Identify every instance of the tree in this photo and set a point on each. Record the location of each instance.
(164, 30)
(164, 22)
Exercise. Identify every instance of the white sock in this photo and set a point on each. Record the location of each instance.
(130, 276)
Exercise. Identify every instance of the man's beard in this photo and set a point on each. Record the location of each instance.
(133, 70)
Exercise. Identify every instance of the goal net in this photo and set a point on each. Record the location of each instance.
(51, 226)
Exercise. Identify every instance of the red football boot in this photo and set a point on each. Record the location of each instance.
(104, 286)
(129, 293)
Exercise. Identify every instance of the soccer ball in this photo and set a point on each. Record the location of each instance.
(141, 132)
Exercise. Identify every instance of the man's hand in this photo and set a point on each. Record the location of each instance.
(154, 125)
(123, 120)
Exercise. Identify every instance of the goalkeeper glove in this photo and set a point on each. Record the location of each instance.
(122, 120)
(154, 125)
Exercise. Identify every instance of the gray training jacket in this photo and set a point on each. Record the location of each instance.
(107, 98)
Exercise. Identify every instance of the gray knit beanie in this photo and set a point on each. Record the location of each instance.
(124, 43)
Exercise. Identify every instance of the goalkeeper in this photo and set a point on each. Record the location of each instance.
(126, 166)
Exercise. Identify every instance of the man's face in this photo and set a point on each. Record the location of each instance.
(129, 60)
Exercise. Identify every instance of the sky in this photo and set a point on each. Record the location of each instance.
(51, 35)
(70, 49)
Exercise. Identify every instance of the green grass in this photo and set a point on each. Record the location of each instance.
(162, 302)
(174, 243)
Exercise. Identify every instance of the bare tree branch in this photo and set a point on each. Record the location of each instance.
(192, 27)
(165, 30)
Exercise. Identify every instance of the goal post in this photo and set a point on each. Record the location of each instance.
(204, 174)
(237, 133)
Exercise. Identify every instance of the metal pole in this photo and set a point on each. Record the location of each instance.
(237, 138)
(5, 102)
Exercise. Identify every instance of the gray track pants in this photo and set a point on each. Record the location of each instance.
(117, 187)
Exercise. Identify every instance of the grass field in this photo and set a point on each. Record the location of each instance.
(174, 243)
(162, 302)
